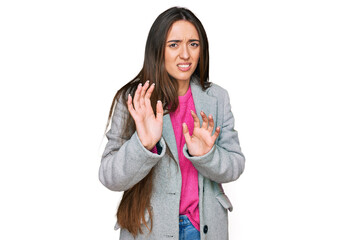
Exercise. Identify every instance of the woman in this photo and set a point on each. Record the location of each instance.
(163, 149)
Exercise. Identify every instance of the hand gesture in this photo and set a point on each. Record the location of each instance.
(202, 139)
(148, 126)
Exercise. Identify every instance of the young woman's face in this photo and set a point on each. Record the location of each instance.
(182, 50)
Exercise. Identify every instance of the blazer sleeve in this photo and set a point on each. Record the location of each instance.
(125, 162)
(225, 161)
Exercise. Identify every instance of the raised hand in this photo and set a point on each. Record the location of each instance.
(202, 139)
(148, 126)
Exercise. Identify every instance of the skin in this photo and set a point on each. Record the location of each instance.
(182, 46)
(148, 126)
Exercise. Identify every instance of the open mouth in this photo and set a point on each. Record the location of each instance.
(184, 66)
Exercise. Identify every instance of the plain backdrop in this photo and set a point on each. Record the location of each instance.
(293, 72)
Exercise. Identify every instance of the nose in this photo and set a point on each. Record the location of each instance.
(184, 52)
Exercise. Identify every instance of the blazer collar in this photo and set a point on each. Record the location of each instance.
(203, 102)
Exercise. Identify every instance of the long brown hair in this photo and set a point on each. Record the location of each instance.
(136, 200)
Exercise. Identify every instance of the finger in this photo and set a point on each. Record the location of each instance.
(148, 95)
(211, 124)
(143, 92)
(196, 120)
(144, 88)
(130, 106)
(136, 98)
(186, 133)
(150, 90)
(205, 121)
(159, 111)
(216, 134)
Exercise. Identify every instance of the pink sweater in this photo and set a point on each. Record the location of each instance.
(189, 203)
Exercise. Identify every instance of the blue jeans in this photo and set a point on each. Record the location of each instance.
(187, 231)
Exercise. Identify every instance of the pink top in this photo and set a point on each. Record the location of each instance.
(189, 202)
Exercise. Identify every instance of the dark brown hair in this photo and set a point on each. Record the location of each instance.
(136, 200)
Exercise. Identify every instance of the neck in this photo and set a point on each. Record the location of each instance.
(183, 86)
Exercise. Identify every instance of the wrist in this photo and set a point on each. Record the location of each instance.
(149, 145)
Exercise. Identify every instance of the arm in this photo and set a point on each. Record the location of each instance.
(224, 162)
(127, 161)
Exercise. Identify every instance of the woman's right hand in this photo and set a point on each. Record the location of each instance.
(148, 126)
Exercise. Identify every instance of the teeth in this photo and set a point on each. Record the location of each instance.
(184, 66)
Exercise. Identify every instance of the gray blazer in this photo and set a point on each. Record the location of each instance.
(126, 162)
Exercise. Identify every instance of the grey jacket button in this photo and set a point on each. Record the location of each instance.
(205, 229)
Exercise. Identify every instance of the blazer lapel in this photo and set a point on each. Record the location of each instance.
(203, 102)
(169, 135)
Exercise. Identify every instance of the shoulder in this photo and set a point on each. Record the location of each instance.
(216, 90)
(210, 94)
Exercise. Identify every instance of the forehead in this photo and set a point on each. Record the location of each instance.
(182, 29)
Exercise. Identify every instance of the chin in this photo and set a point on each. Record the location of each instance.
(182, 77)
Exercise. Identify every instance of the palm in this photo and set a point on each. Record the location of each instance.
(202, 139)
(148, 126)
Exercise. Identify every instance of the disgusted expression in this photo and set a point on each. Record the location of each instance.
(182, 50)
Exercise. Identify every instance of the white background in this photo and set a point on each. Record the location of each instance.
(293, 72)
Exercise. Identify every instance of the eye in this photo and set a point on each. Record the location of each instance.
(194, 44)
(173, 45)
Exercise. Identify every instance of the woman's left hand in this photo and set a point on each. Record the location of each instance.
(202, 139)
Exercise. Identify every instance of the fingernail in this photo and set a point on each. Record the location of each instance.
(148, 81)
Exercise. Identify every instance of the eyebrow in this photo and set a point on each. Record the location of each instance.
(191, 40)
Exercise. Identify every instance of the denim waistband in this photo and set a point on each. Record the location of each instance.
(184, 220)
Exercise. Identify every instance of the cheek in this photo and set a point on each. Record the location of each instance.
(169, 57)
(196, 55)
(197, 59)
(167, 60)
